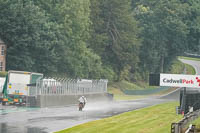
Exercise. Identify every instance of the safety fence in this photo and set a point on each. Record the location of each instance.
(194, 55)
(145, 92)
(189, 98)
(53, 86)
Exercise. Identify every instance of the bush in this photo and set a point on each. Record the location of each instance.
(109, 74)
(3, 74)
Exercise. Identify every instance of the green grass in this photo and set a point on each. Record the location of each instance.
(190, 70)
(189, 58)
(177, 67)
(155, 119)
(119, 95)
(117, 87)
(125, 85)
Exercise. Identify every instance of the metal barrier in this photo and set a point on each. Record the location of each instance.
(53, 86)
(191, 129)
(179, 127)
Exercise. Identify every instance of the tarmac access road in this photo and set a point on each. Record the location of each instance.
(195, 64)
(45, 120)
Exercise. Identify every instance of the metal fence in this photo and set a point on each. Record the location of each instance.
(189, 98)
(53, 86)
(181, 125)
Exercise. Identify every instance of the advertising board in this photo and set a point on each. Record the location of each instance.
(180, 80)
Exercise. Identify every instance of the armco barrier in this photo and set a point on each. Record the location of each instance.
(181, 125)
(191, 55)
(191, 129)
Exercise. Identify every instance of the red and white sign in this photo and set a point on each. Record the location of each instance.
(180, 80)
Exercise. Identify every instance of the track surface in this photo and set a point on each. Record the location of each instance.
(19, 120)
(41, 120)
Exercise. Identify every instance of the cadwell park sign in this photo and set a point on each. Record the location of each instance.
(174, 80)
(188, 97)
(180, 80)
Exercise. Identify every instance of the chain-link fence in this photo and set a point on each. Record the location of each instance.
(53, 86)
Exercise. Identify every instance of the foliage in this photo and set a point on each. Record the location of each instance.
(75, 58)
(29, 36)
(177, 67)
(113, 39)
(126, 85)
(115, 36)
(3, 74)
(193, 21)
(190, 69)
(164, 33)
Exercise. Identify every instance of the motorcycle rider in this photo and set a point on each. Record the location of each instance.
(82, 101)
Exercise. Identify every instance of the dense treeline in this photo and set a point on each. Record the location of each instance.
(113, 39)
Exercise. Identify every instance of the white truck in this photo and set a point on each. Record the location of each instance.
(16, 88)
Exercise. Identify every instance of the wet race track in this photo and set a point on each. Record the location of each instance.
(42, 120)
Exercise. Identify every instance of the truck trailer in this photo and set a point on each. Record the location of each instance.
(17, 87)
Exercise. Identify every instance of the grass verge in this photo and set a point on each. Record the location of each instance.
(190, 70)
(177, 67)
(119, 95)
(155, 119)
(117, 87)
(128, 85)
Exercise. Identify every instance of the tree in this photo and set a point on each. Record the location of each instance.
(75, 58)
(30, 38)
(115, 35)
(164, 33)
(193, 22)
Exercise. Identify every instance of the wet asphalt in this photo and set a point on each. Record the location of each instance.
(44, 120)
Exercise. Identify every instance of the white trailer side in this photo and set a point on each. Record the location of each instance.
(17, 82)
